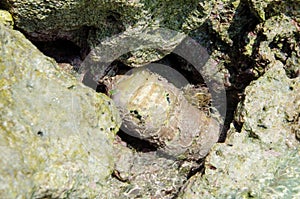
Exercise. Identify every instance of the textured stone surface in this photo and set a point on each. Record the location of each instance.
(242, 44)
(271, 104)
(280, 43)
(56, 135)
(265, 9)
(147, 175)
(155, 111)
(261, 160)
(245, 39)
(87, 23)
(245, 169)
(258, 39)
(6, 18)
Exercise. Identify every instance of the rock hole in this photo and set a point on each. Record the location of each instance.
(40, 133)
(199, 169)
(136, 114)
(136, 143)
(102, 88)
(237, 126)
(63, 51)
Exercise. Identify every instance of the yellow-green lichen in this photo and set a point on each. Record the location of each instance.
(51, 140)
(6, 18)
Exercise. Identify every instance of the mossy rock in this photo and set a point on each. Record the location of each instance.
(88, 23)
(56, 134)
(262, 160)
(6, 18)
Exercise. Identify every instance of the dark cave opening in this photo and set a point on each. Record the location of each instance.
(63, 51)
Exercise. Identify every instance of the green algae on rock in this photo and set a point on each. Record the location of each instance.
(254, 163)
(6, 18)
(56, 134)
(88, 23)
(242, 43)
(268, 8)
(280, 43)
(271, 103)
(242, 168)
(243, 36)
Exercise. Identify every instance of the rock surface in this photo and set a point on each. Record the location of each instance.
(263, 159)
(247, 40)
(260, 157)
(87, 23)
(143, 174)
(56, 135)
(6, 18)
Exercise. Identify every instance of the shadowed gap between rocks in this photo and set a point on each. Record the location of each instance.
(64, 51)
(68, 52)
